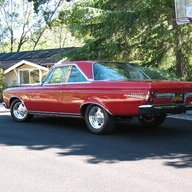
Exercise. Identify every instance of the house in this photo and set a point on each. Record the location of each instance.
(28, 67)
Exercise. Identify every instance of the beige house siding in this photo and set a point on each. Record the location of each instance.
(24, 66)
(11, 79)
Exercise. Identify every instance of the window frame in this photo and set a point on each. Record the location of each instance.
(81, 72)
(70, 66)
(48, 77)
(116, 62)
(29, 70)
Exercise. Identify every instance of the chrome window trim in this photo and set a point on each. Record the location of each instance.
(62, 83)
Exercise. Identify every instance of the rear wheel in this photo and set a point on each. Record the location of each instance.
(19, 112)
(98, 120)
(151, 121)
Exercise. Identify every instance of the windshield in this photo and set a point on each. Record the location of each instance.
(118, 71)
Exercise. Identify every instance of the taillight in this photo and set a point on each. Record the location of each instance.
(150, 96)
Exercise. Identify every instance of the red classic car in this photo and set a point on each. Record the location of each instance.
(100, 92)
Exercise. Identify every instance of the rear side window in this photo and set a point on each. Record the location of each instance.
(118, 71)
(76, 75)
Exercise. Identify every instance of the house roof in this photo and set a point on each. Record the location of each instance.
(27, 63)
(40, 57)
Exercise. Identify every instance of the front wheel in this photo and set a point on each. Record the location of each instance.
(151, 121)
(19, 112)
(98, 120)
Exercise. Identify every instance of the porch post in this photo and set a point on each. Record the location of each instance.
(18, 77)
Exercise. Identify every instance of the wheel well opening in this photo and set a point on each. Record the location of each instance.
(13, 99)
(85, 106)
(83, 109)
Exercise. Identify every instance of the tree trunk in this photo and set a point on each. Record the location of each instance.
(180, 58)
(180, 63)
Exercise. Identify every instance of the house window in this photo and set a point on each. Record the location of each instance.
(29, 76)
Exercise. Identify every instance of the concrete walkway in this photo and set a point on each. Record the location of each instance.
(186, 116)
(2, 108)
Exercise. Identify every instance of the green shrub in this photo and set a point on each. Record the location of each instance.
(2, 84)
(161, 74)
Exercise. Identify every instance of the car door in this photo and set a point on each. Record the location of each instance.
(74, 91)
(48, 97)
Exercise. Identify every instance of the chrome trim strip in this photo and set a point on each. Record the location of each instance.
(158, 106)
(145, 106)
(55, 114)
(66, 83)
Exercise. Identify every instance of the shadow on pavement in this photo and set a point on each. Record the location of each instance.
(130, 142)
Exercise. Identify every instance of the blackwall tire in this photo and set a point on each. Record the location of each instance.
(19, 112)
(98, 120)
(152, 121)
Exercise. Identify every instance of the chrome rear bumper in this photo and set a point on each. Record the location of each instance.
(164, 108)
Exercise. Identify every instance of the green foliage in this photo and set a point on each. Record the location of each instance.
(23, 29)
(128, 30)
(39, 3)
(161, 74)
(2, 85)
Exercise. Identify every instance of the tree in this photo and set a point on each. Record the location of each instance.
(39, 3)
(1, 84)
(128, 30)
(19, 23)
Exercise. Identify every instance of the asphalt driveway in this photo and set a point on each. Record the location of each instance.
(55, 154)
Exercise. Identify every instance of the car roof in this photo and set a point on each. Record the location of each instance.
(85, 66)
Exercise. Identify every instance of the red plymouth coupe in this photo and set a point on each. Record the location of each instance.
(100, 92)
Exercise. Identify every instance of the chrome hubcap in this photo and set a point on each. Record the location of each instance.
(19, 110)
(96, 117)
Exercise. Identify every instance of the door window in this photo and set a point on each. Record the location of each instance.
(58, 75)
(76, 75)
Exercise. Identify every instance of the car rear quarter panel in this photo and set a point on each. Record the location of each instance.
(119, 98)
